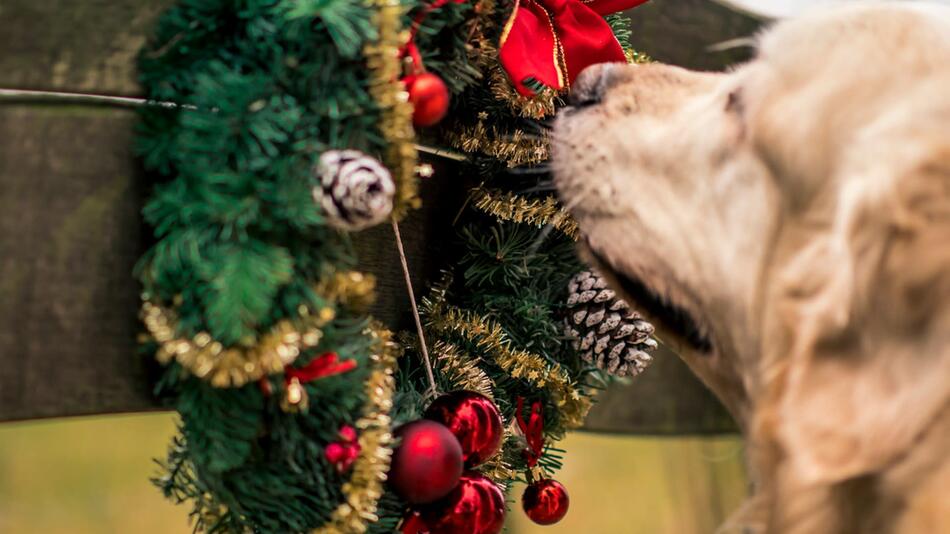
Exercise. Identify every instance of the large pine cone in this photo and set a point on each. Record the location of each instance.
(604, 329)
(355, 190)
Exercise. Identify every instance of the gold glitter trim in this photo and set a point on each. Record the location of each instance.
(235, 366)
(497, 469)
(511, 207)
(493, 343)
(382, 60)
(352, 289)
(365, 487)
(514, 148)
(225, 367)
(461, 370)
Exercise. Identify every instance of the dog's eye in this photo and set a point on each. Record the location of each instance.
(734, 103)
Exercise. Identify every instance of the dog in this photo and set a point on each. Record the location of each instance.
(787, 226)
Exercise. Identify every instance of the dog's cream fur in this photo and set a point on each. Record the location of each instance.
(799, 209)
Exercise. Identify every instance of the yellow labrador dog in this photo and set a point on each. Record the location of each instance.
(788, 225)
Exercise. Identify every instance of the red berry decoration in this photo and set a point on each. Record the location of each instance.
(475, 421)
(475, 506)
(428, 463)
(344, 452)
(429, 96)
(545, 502)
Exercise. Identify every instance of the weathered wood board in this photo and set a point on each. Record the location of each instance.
(70, 229)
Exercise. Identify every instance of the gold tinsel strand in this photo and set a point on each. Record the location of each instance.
(493, 343)
(365, 486)
(353, 289)
(514, 148)
(235, 366)
(461, 370)
(385, 68)
(512, 207)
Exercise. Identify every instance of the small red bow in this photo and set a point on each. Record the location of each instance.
(533, 430)
(326, 364)
(295, 395)
(552, 41)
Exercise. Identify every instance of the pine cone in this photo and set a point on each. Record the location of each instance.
(355, 190)
(604, 329)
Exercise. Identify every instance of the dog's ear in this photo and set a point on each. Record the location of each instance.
(867, 316)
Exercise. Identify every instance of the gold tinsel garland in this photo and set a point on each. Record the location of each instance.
(235, 366)
(461, 370)
(222, 366)
(493, 343)
(385, 68)
(514, 148)
(512, 207)
(365, 486)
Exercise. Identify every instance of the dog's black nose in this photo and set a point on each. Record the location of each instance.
(591, 84)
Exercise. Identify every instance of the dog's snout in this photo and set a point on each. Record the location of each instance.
(591, 84)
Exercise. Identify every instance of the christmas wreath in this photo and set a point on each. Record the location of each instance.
(276, 128)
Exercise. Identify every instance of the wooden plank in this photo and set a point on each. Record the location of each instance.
(70, 45)
(70, 231)
(666, 399)
(680, 32)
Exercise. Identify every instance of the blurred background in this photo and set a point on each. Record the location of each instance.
(91, 476)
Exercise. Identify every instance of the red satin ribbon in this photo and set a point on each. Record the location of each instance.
(322, 366)
(552, 41)
(533, 430)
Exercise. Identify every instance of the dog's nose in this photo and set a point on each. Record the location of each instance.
(591, 84)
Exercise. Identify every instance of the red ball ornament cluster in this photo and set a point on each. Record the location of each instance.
(461, 428)
(475, 506)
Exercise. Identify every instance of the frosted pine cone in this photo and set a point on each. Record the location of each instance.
(355, 190)
(604, 329)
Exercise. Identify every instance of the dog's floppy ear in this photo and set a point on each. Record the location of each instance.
(867, 314)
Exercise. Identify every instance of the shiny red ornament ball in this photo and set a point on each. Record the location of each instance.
(475, 506)
(429, 97)
(475, 421)
(428, 463)
(545, 502)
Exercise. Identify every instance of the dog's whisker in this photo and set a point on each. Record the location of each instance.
(731, 44)
(540, 169)
(542, 187)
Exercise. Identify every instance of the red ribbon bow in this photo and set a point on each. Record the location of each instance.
(326, 364)
(533, 430)
(552, 41)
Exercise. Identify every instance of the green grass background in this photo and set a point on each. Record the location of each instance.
(90, 476)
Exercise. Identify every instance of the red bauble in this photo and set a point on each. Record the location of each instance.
(475, 506)
(475, 421)
(429, 96)
(545, 501)
(428, 463)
